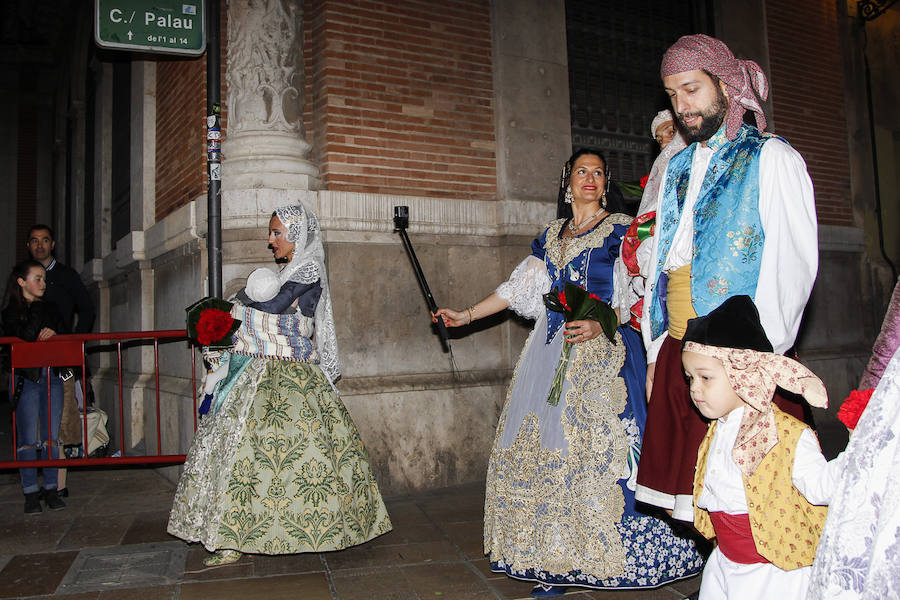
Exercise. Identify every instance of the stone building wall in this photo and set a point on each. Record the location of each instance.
(465, 118)
(388, 109)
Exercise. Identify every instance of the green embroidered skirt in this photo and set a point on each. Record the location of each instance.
(279, 469)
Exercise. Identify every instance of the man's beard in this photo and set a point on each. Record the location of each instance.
(711, 119)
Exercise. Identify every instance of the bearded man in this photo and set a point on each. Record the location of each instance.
(736, 216)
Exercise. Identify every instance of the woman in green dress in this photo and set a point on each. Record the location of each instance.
(277, 466)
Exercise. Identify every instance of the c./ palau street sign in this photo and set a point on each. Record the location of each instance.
(159, 26)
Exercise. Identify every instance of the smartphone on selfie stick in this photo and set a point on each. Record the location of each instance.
(401, 222)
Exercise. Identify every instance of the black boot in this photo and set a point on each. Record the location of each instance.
(54, 502)
(33, 503)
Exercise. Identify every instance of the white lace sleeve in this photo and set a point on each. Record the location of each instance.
(525, 288)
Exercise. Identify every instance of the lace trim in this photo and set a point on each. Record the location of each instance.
(558, 512)
(306, 273)
(561, 251)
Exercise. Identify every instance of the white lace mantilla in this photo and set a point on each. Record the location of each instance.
(309, 257)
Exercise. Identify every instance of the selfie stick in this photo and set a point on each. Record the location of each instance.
(401, 222)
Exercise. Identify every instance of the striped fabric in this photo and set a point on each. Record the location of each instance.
(287, 337)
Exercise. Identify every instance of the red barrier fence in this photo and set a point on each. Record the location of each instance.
(69, 351)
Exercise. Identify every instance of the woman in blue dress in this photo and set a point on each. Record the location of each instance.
(559, 507)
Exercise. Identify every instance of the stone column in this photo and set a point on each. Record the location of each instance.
(264, 145)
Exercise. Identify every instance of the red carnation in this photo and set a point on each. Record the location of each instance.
(213, 325)
(644, 180)
(852, 408)
(562, 298)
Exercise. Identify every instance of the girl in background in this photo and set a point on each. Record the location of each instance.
(27, 316)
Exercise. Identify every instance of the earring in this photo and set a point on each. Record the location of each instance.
(603, 201)
(569, 196)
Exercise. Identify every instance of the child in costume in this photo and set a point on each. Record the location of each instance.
(761, 485)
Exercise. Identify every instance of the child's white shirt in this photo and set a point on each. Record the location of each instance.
(723, 486)
(723, 490)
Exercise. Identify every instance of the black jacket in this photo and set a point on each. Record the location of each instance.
(26, 322)
(66, 290)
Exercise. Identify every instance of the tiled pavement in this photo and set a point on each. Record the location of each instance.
(111, 543)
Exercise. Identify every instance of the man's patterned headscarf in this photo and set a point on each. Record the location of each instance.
(741, 77)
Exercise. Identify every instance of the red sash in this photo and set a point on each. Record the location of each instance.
(736, 538)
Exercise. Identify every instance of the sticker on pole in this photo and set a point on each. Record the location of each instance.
(156, 26)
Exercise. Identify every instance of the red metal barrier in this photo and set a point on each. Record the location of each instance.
(69, 351)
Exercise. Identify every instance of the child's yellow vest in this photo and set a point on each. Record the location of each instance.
(786, 528)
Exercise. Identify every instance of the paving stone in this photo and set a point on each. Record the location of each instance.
(468, 537)
(434, 552)
(34, 574)
(148, 527)
(30, 534)
(86, 532)
(483, 566)
(140, 501)
(81, 596)
(367, 584)
(369, 555)
(406, 533)
(511, 589)
(405, 512)
(166, 592)
(266, 566)
(139, 565)
(448, 582)
(687, 586)
(451, 512)
(310, 586)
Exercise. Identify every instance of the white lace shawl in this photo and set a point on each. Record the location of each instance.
(859, 553)
(308, 266)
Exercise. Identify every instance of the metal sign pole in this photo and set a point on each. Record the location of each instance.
(213, 151)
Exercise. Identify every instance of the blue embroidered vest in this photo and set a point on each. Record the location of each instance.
(728, 235)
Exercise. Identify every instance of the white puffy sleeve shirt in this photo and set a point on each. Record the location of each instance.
(790, 256)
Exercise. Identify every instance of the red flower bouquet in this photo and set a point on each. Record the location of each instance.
(213, 325)
(209, 323)
(852, 408)
(576, 304)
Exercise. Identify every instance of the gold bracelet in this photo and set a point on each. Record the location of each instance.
(471, 311)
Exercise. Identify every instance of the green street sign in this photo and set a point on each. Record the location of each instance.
(159, 26)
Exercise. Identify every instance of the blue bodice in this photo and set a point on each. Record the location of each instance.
(586, 260)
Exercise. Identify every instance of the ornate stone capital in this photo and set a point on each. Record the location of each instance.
(264, 144)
